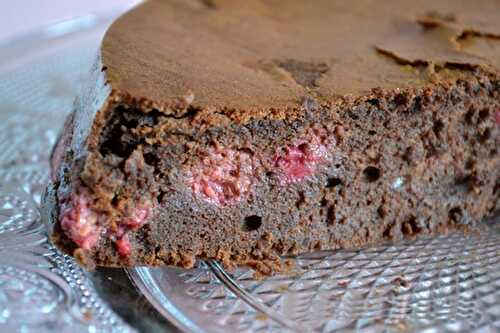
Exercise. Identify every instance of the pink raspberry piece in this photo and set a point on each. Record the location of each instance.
(137, 219)
(79, 222)
(123, 246)
(300, 161)
(133, 222)
(224, 176)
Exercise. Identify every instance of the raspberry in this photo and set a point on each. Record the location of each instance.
(133, 222)
(224, 176)
(79, 222)
(301, 160)
(123, 246)
(137, 219)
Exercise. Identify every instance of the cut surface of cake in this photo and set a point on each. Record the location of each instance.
(243, 131)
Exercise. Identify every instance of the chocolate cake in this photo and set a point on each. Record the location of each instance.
(246, 130)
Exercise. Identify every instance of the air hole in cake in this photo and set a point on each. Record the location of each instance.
(352, 115)
(333, 181)
(371, 173)
(382, 212)
(374, 102)
(483, 115)
(330, 215)
(151, 159)
(115, 145)
(301, 201)
(438, 127)
(410, 227)
(401, 99)
(372, 132)
(417, 105)
(470, 164)
(115, 201)
(252, 223)
(116, 139)
(496, 190)
(483, 137)
(468, 116)
(160, 196)
(455, 214)
(389, 231)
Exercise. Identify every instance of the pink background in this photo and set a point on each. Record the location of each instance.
(20, 17)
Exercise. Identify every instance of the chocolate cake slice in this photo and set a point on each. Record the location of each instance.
(246, 130)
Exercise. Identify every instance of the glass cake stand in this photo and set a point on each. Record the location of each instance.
(446, 284)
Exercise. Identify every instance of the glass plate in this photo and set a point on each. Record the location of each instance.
(446, 284)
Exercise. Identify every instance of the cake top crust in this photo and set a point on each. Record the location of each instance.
(267, 55)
